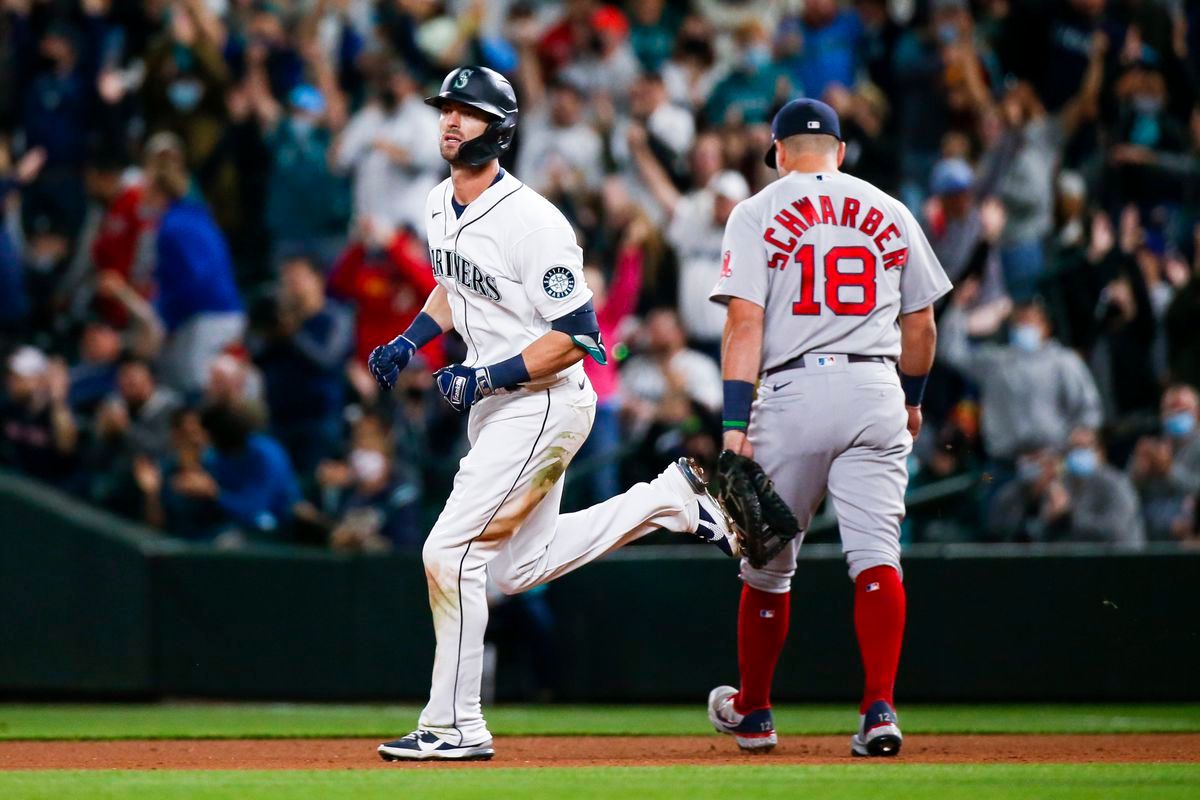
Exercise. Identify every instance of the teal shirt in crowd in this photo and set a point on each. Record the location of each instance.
(304, 197)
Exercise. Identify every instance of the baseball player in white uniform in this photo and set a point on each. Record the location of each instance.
(829, 283)
(510, 281)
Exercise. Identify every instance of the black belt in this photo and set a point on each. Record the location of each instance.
(798, 363)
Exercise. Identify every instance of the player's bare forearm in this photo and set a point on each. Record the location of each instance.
(437, 306)
(918, 341)
(741, 358)
(552, 353)
(741, 343)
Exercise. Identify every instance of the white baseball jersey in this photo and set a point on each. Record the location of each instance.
(510, 264)
(833, 261)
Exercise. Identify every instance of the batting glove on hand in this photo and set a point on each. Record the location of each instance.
(463, 386)
(386, 361)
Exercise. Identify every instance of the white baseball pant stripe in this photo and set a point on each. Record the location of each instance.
(502, 520)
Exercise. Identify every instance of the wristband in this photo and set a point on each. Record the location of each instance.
(738, 397)
(502, 375)
(422, 331)
(914, 388)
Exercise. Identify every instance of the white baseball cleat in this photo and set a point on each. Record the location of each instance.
(714, 526)
(426, 745)
(753, 732)
(878, 732)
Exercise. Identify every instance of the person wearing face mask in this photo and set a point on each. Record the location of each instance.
(1033, 391)
(749, 92)
(376, 505)
(1166, 469)
(389, 148)
(308, 206)
(1098, 502)
(1077, 497)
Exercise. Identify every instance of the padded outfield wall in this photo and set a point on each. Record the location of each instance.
(94, 606)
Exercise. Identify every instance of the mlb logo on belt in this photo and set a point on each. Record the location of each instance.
(826, 361)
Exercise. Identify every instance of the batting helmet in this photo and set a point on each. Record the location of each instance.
(489, 92)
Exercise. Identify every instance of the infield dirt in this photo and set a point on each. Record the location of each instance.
(592, 751)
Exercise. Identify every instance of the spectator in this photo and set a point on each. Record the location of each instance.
(390, 148)
(1166, 469)
(246, 475)
(118, 236)
(385, 273)
(303, 362)
(559, 151)
(749, 93)
(669, 131)
(1078, 498)
(307, 205)
(696, 230)
(615, 305)
(139, 413)
(186, 78)
(94, 375)
(692, 72)
(667, 373)
(375, 505)
(196, 297)
(1034, 391)
(652, 32)
(606, 62)
(822, 46)
(39, 435)
(963, 231)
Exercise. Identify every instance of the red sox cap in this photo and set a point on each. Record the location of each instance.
(802, 116)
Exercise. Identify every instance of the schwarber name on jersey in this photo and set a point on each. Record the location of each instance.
(833, 261)
(510, 264)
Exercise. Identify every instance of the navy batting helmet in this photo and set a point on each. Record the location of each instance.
(487, 91)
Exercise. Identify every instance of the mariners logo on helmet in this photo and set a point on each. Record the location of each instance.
(558, 282)
(461, 81)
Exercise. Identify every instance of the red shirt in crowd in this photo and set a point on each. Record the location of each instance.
(115, 247)
(389, 289)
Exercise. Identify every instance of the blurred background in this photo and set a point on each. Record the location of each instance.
(211, 214)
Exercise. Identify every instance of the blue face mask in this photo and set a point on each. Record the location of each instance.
(185, 94)
(1028, 470)
(1025, 337)
(1082, 461)
(757, 57)
(1179, 424)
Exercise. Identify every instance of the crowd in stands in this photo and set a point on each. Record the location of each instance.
(212, 211)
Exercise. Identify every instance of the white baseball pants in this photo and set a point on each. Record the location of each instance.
(502, 519)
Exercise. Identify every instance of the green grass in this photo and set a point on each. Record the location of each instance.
(848, 782)
(262, 720)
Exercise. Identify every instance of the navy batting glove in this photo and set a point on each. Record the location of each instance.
(462, 386)
(386, 361)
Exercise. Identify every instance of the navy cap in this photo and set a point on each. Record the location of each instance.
(802, 116)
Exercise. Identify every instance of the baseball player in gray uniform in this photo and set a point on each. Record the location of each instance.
(829, 284)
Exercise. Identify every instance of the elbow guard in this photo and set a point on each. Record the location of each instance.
(584, 329)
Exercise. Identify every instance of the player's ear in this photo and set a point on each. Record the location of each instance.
(841, 153)
(781, 157)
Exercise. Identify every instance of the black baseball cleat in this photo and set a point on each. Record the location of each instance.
(428, 746)
(878, 732)
(714, 526)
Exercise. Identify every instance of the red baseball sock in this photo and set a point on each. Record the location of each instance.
(879, 606)
(762, 630)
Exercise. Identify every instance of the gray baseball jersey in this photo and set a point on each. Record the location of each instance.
(833, 260)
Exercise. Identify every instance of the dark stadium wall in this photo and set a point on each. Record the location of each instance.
(93, 606)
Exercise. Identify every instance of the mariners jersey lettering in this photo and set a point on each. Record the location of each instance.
(833, 261)
(510, 264)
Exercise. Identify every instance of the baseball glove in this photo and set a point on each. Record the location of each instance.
(763, 520)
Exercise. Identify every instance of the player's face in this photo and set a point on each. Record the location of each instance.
(459, 123)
